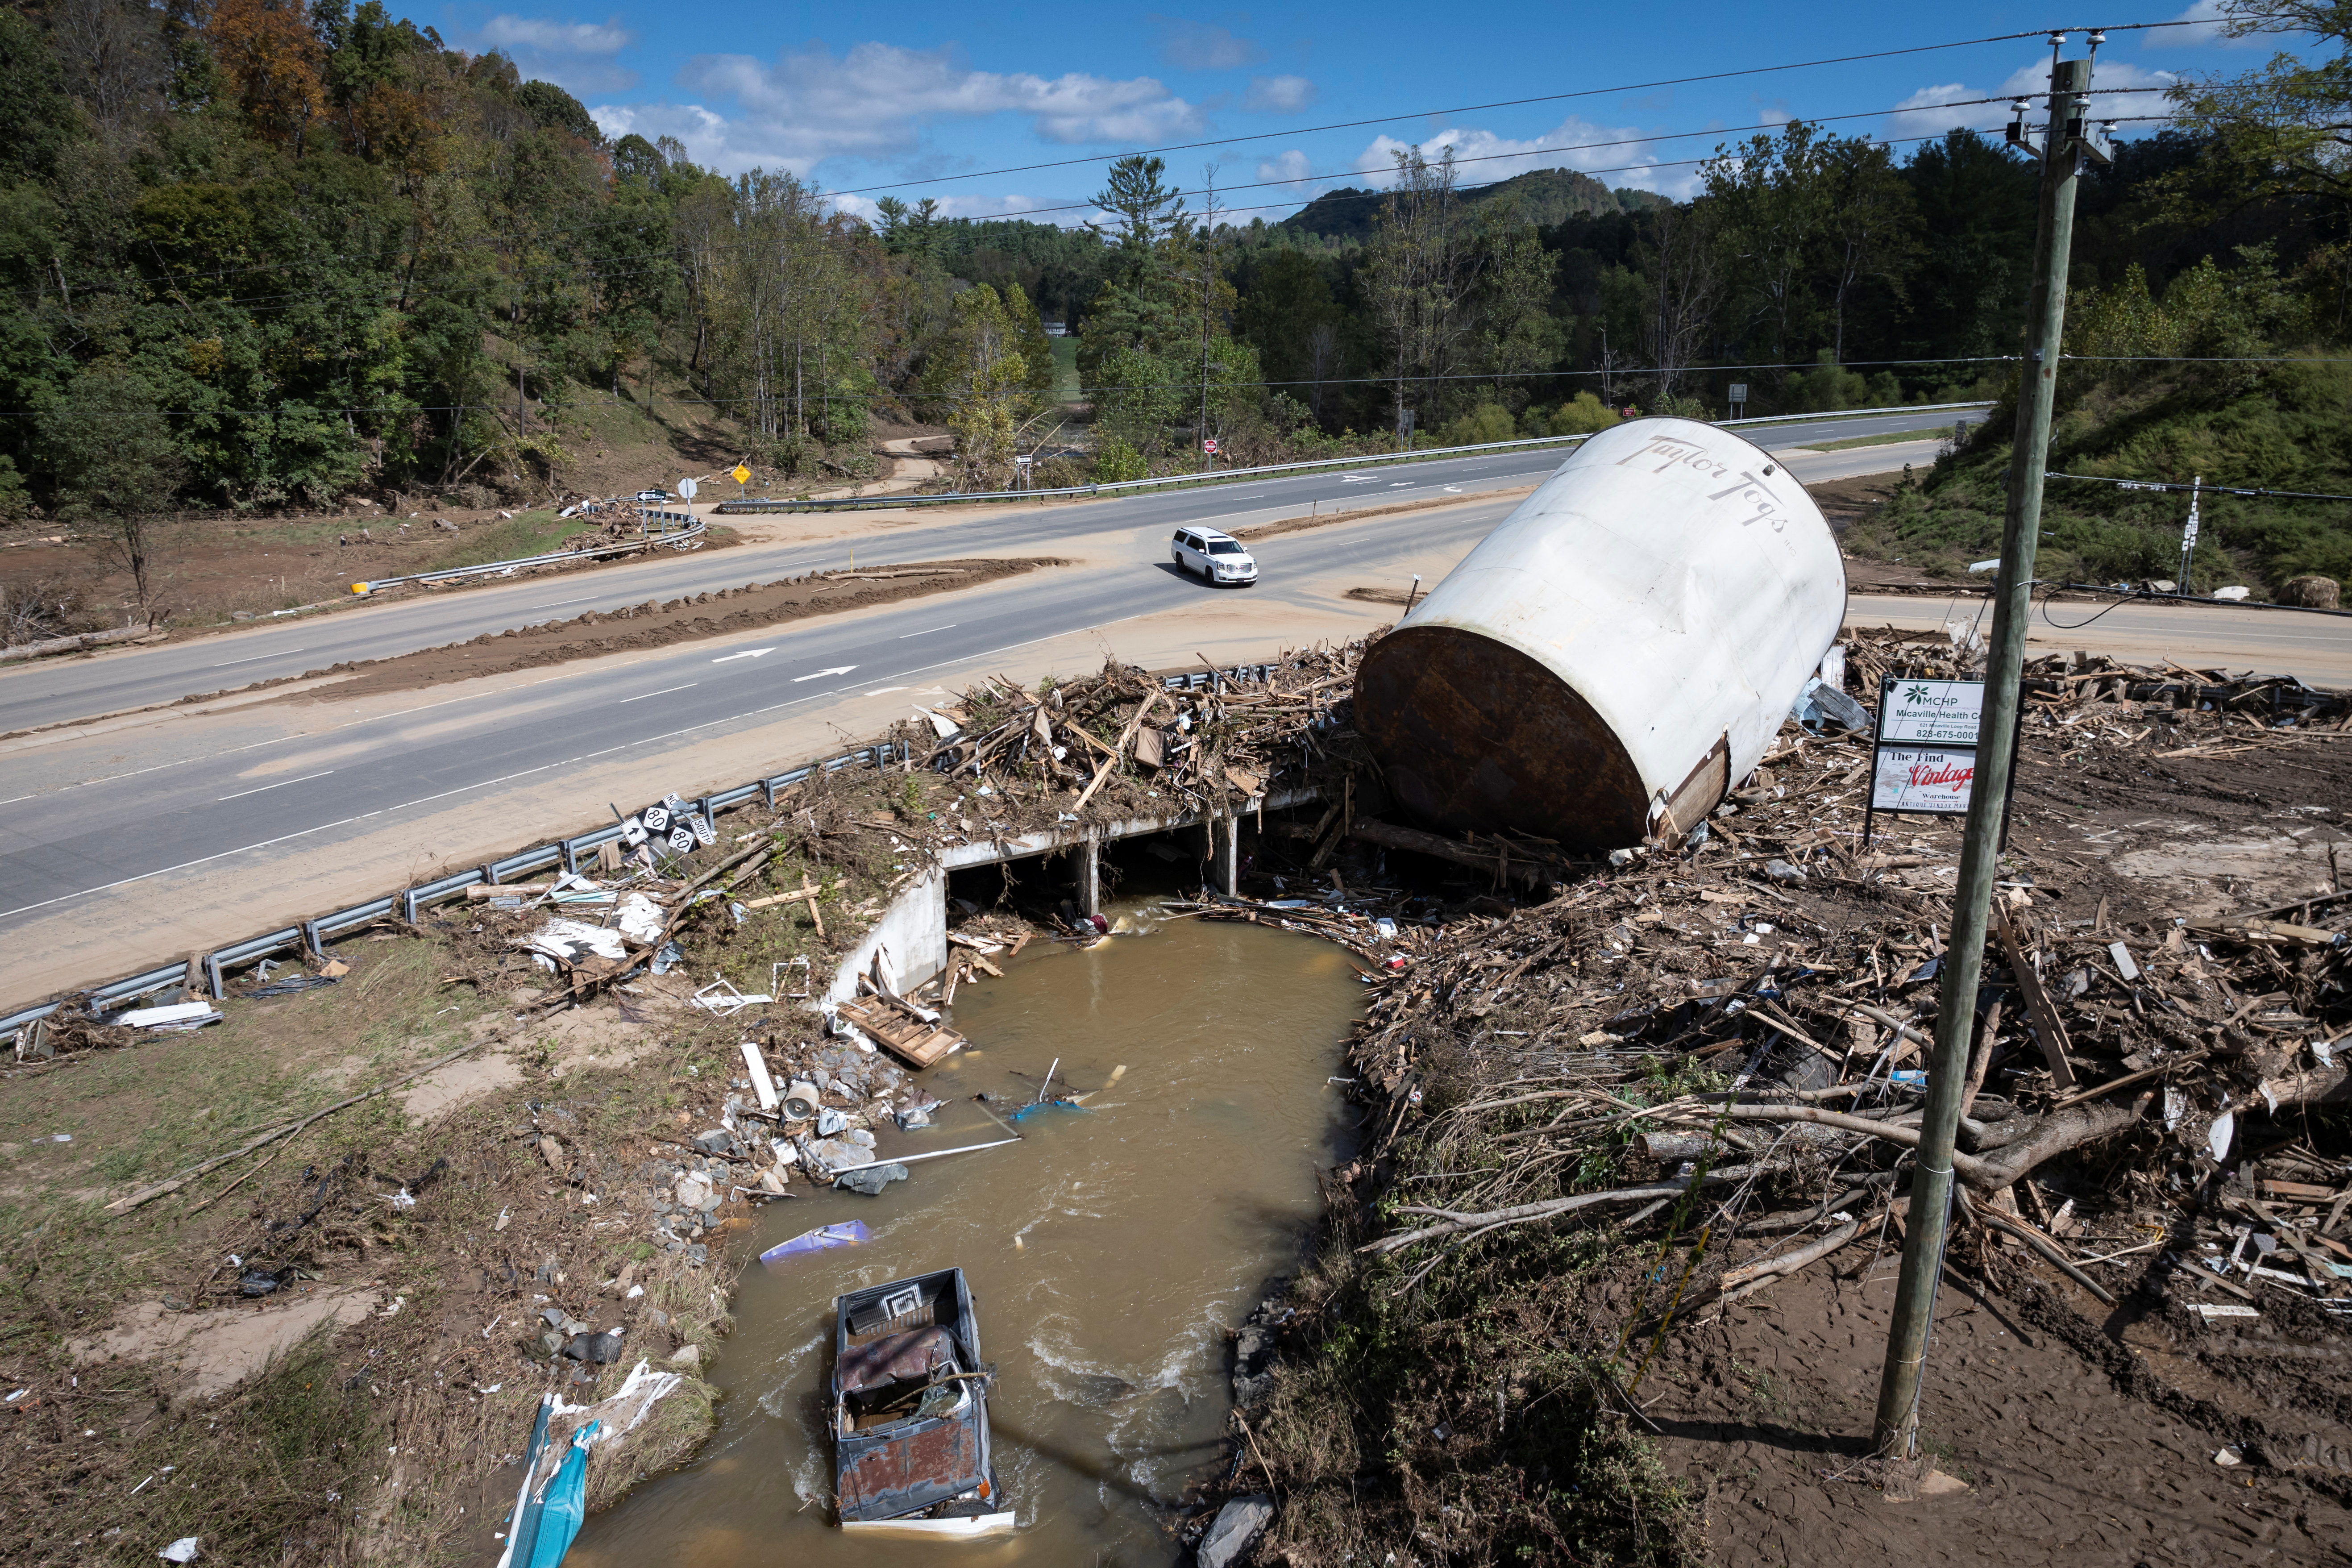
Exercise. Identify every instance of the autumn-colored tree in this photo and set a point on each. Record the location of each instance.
(275, 65)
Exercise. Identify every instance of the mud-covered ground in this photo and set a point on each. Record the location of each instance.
(1559, 1374)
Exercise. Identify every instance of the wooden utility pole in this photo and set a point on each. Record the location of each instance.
(2068, 139)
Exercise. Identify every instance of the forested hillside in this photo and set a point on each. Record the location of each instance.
(260, 257)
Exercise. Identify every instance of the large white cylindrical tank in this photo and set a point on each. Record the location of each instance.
(1618, 653)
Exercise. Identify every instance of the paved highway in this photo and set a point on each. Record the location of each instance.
(61, 690)
(150, 814)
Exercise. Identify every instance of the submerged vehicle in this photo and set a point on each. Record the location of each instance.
(910, 1413)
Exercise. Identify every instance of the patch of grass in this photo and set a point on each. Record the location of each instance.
(1891, 437)
(511, 538)
(2280, 429)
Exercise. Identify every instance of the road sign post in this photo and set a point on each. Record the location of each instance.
(1738, 395)
(2189, 533)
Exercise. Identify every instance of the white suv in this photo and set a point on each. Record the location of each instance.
(1217, 557)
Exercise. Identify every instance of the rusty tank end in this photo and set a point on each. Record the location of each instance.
(1618, 653)
(1472, 735)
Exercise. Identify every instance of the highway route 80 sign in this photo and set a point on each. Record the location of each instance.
(669, 824)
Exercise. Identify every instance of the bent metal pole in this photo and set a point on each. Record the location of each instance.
(1896, 1427)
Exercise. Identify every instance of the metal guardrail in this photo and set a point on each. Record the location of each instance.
(1218, 476)
(694, 528)
(311, 935)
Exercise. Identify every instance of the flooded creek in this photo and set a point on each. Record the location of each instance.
(1109, 1253)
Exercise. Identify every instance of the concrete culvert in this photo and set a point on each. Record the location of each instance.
(1618, 653)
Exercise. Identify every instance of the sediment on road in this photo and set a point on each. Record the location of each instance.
(656, 624)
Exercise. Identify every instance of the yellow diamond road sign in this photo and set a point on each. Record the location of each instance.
(743, 475)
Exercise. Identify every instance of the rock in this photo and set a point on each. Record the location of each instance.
(601, 1350)
(834, 1154)
(693, 1190)
(714, 1141)
(871, 1180)
(860, 1137)
(697, 1254)
(689, 1357)
(2311, 592)
(554, 1316)
(772, 1179)
(1236, 1529)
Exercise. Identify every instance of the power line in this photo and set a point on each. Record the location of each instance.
(1513, 103)
(1634, 373)
(2198, 489)
(591, 272)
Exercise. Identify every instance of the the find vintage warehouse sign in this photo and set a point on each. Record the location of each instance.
(1924, 757)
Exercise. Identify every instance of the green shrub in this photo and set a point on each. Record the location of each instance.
(1115, 460)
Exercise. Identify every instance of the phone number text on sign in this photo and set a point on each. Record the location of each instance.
(1949, 712)
(1927, 779)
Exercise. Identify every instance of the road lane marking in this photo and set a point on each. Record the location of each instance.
(289, 653)
(558, 603)
(924, 633)
(281, 784)
(664, 692)
(566, 763)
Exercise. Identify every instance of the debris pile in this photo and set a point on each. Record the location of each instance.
(1598, 1110)
(1782, 980)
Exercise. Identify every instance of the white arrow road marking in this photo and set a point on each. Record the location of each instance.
(747, 653)
(1355, 478)
(1401, 485)
(843, 670)
(1454, 489)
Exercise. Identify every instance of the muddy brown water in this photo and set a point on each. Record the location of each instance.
(1110, 1253)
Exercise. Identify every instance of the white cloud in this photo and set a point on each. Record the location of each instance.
(1920, 115)
(510, 32)
(1201, 46)
(1278, 94)
(1015, 206)
(2206, 33)
(876, 100)
(1291, 166)
(577, 56)
(1573, 143)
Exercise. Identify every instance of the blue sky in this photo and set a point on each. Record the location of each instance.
(914, 96)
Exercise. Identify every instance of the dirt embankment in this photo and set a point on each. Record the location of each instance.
(596, 633)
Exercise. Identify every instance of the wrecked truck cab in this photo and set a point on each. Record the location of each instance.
(911, 1452)
(1603, 667)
